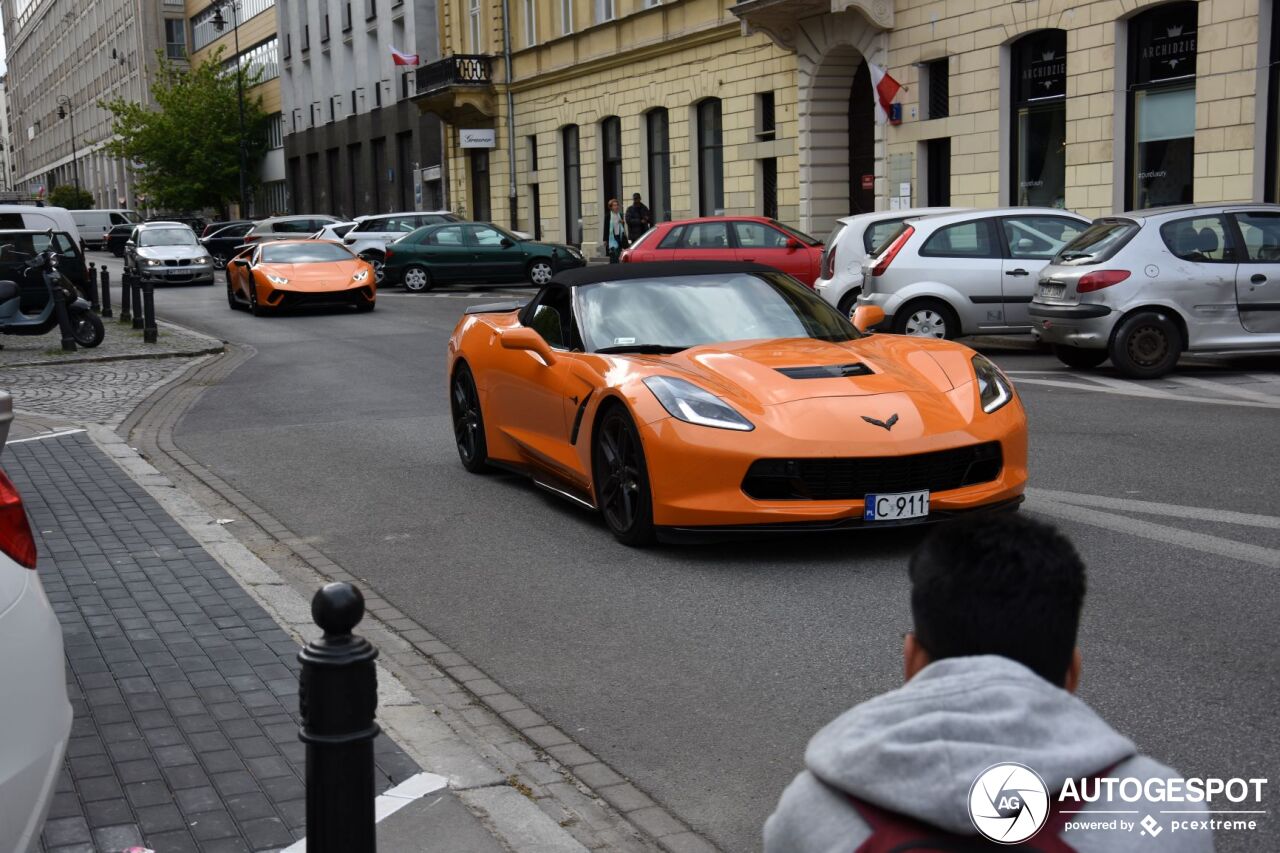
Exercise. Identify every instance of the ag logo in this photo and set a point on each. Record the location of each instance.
(1008, 803)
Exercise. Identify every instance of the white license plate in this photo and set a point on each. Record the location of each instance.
(896, 506)
(1052, 291)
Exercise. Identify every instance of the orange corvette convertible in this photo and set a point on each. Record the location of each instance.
(697, 400)
(289, 273)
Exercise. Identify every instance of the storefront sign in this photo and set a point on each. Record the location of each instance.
(476, 138)
(1042, 66)
(868, 182)
(1164, 43)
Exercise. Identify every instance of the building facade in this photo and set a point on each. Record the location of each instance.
(6, 144)
(354, 143)
(247, 35)
(63, 57)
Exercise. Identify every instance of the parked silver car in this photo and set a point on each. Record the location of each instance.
(167, 253)
(1144, 287)
(297, 227)
(966, 273)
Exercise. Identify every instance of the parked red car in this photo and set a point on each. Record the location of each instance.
(731, 238)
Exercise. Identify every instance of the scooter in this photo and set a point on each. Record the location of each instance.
(86, 326)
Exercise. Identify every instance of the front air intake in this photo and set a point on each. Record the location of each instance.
(826, 371)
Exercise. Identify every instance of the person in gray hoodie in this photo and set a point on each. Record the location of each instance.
(991, 669)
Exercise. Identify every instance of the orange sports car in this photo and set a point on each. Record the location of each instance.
(701, 399)
(289, 273)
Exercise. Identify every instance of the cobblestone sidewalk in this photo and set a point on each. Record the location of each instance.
(121, 343)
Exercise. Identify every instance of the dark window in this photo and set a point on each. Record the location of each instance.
(938, 164)
(1039, 237)
(769, 187)
(371, 10)
(710, 159)
(552, 317)
(479, 169)
(378, 162)
(963, 240)
(535, 208)
(451, 236)
(611, 159)
(175, 34)
(1200, 238)
(346, 17)
(533, 153)
(1273, 109)
(1261, 234)
(706, 235)
(939, 74)
(313, 181)
(295, 182)
(672, 240)
(1039, 127)
(404, 169)
(659, 164)
(766, 121)
(332, 171)
(877, 235)
(324, 30)
(572, 185)
(358, 205)
(757, 235)
(1162, 106)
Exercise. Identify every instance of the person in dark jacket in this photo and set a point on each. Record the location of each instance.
(615, 231)
(638, 218)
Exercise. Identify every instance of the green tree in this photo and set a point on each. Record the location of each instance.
(189, 147)
(71, 198)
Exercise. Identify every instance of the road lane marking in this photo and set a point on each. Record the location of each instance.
(43, 437)
(1149, 395)
(1225, 388)
(1221, 516)
(1203, 542)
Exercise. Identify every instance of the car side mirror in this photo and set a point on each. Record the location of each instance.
(506, 244)
(793, 245)
(527, 339)
(867, 317)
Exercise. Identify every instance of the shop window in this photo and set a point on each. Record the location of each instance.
(1039, 126)
(479, 167)
(658, 137)
(611, 159)
(1162, 106)
(710, 159)
(572, 184)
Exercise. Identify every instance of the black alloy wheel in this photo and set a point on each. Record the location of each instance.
(621, 479)
(1078, 357)
(468, 422)
(1146, 345)
(233, 303)
(88, 329)
(219, 262)
(254, 308)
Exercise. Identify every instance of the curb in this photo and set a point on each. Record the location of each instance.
(213, 346)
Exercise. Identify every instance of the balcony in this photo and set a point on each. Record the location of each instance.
(458, 88)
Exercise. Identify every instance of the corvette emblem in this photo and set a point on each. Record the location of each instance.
(887, 425)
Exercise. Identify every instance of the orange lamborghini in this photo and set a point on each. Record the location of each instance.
(288, 273)
(701, 399)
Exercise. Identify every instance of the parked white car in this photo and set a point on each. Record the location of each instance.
(1142, 288)
(966, 273)
(371, 234)
(34, 705)
(93, 225)
(334, 231)
(297, 227)
(29, 217)
(851, 242)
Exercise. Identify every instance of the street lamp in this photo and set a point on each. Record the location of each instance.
(219, 23)
(67, 110)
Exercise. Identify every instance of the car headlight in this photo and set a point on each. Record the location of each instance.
(691, 404)
(994, 390)
(276, 279)
(360, 276)
(152, 262)
(203, 259)
(573, 253)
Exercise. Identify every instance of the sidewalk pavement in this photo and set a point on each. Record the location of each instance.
(122, 343)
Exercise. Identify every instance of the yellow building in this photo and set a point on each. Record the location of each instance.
(248, 31)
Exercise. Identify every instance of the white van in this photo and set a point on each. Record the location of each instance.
(93, 225)
(29, 217)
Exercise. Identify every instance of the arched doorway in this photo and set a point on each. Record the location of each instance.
(862, 143)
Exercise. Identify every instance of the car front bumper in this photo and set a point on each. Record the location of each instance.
(202, 274)
(283, 298)
(1087, 325)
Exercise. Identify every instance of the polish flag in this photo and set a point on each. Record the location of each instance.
(401, 58)
(886, 89)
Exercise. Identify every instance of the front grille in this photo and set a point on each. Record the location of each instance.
(855, 478)
(180, 262)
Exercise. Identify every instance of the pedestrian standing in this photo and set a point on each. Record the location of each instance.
(615, 231)
(638, 218)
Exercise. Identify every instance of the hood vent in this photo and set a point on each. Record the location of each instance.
(827, 371)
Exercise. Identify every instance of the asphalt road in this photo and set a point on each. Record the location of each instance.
(701, 672)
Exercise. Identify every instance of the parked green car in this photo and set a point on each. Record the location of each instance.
(472, 252)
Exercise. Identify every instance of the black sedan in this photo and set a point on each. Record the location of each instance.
(117, 237)
(223, 243)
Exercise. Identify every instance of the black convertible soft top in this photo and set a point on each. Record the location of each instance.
(597, 273)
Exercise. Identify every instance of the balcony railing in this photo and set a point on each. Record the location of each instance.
(460, 69)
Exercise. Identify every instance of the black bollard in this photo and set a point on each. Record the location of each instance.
(106, 291)
(91, 284)
(338, 697)
(64, 319)
(126, 297)
(136, 291)
(149, 333)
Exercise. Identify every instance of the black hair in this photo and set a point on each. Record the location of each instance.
(999, 585)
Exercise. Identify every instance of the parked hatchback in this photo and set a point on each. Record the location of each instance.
(851, 242)
(731, 238)
(1144, 287)
(473, 252)
(966, 273)
(288, 227)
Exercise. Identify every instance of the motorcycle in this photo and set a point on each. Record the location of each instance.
(87, 328)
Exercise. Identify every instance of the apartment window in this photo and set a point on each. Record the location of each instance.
(473, 24)
(769, 187)
(1162, 106)
(378, 159)
(937, 162)
(346, 17)
(333, 109)
(1039, 126)
(604, 11)
(533, 153)
(324, 30)
(572, 184)
(659, 154)
(275, 131)
(371, 10)
(306, 37)
(938, 75)
(566, 16)
(710, 159)
(332, 171)
(530, 23)
(353, 180)
(766, 120)
(175, 37)
(611, 158)
(1273, 110)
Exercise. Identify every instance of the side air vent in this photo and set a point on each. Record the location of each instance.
(826, 371)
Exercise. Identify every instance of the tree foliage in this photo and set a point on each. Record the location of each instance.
(65, 195)
(189, 146)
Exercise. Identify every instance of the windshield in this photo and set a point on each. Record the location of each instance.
(1099, 242)
(878, 234)
(26, 245)
(167, 237)
(797, 233)
(704, 309)
(304, 253)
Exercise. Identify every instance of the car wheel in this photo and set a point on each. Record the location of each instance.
(621, 480)
(927, 318)
(233, 303)
(1146, 345)
(417, 279)
(540, 272)
(88, 330)
(379, 266)
(219, 262)
(849, 301)
(1078, 357)
(468, 422)
(254, 308)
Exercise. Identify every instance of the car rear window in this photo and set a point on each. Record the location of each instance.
(880, 234)
(1200, 238)
(1099, 242)
(672, 240)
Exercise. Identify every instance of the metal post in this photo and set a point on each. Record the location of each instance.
(91, 284)
(106, 291)
(148, 313)
(64, 319)
(126, 297)
(338, 697)
(137, 302)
